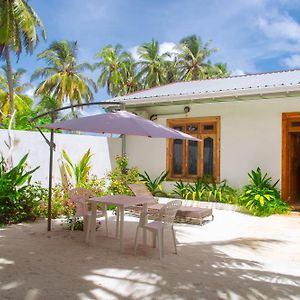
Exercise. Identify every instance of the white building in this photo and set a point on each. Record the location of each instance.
(243, 121)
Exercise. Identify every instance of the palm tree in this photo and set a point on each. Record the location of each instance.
(192, 57)
(218, 70)
(64, 79)
(48, 103)
(112, 66)
(130, 77)
(22, 101)
(153, 65)
(18, 30)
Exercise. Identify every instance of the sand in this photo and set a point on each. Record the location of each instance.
(234, 257)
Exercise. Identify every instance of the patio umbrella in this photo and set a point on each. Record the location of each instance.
(120, 122)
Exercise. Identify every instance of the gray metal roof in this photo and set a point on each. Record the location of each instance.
(217, 88)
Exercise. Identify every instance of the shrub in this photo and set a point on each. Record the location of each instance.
(206, 189)
(261, 197)
(154, 185)
(14, 205)
(121, 176)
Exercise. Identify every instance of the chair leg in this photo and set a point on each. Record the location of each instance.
(136, 240)
(73, 223)
(88, 229)
(153, 239)
(159, 244)
(174, 239)
(162, 242)
(104, 210)
(118, 222)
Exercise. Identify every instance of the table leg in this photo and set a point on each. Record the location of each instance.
(86, 232)
(104, 209)
(93, 223)
(118, 221)
(145, 221)
(122, 212)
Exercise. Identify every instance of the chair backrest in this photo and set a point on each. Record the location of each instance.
(168, 212)
(141, 190)
(80, 196)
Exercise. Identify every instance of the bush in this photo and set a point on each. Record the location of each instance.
(155, 185)
(206, 189)
(121, 176)
(261, 197)
(15, 206)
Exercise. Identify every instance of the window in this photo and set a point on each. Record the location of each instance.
(188, 160)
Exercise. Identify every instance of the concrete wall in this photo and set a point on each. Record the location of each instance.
(250, 137)
(104, 150)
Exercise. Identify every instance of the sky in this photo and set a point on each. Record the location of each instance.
(252, 35)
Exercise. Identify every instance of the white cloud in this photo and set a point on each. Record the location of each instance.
(237, 72)
(292, 61)
(163, 48)
(134, 52)
(280, 27)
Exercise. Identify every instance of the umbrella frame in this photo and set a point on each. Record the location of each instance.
(51, 144)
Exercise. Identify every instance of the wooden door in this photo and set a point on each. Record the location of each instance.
(290, 179)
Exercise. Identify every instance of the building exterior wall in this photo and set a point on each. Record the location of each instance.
(250, 137)
(104, 150)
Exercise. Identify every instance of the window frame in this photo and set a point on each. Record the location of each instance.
(201, 134)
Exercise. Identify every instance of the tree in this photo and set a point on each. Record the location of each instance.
(130, 77)
(153, 65)
(18, 30)
(192, 58)
(22, 103)
(218, 70)
(64, 78)
(112, 65)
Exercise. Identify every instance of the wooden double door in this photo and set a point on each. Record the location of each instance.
(291, 158)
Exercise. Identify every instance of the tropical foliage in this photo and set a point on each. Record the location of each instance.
(206, 189)
(77, 173)
(18, 30)
(64, 77)
(121, 74)
(121, 176)
(154, 185)
(14, 184)
(22, 103)
(261, 197)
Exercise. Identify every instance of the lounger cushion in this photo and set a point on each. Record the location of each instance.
(193, 212)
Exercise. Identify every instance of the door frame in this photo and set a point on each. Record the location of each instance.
(287, 128)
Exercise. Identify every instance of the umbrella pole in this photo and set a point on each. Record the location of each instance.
(50, 180)
(123, 135)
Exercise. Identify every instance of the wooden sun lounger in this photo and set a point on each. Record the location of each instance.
(184, 212)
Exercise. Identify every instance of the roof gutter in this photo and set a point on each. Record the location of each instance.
(211, 97)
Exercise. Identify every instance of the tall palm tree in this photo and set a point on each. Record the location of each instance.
(22, 101)
(192, 58)
(130, 77)
(112, 64)
(64, 78)
(18, 30)
(218, 70)
(153, 65)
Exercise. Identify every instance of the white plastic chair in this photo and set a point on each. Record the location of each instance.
(80, 196)
(165, 220)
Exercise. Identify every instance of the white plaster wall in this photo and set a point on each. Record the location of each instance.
(250, 137)
(104, 150)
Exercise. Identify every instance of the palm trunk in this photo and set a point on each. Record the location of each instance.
(10, 81)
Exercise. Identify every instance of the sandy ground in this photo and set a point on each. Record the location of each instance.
(234, 257)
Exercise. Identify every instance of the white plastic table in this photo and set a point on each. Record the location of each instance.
(121, 201)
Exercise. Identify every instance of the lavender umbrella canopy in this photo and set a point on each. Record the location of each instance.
(120, 122)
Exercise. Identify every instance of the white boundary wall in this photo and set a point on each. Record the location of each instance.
(104, 150)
